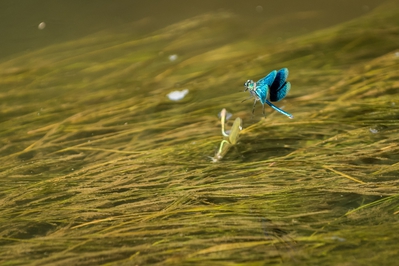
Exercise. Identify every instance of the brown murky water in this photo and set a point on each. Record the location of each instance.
(68, 21)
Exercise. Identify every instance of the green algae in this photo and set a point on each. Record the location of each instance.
(98, 166)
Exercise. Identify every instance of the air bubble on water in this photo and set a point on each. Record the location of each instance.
(177, 95)
(172, 57)
(41, 25)
(374, 130)
(339, 239)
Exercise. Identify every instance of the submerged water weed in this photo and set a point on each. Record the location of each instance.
(231, 136)
(112, 171)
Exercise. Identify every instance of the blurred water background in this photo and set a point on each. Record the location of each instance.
(100, 163)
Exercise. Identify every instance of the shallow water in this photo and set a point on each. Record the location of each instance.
(99, 166)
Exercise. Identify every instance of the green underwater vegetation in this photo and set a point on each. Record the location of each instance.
(98, 166)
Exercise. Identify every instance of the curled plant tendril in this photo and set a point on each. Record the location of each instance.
(231, 138)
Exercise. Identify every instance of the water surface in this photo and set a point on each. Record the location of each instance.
(99, 166)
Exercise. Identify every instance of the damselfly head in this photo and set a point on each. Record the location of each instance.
(249, 85)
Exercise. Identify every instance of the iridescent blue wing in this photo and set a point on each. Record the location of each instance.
(262, 86)
(268, 80)
(277, 95)
(280, 79)
(280, 87)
